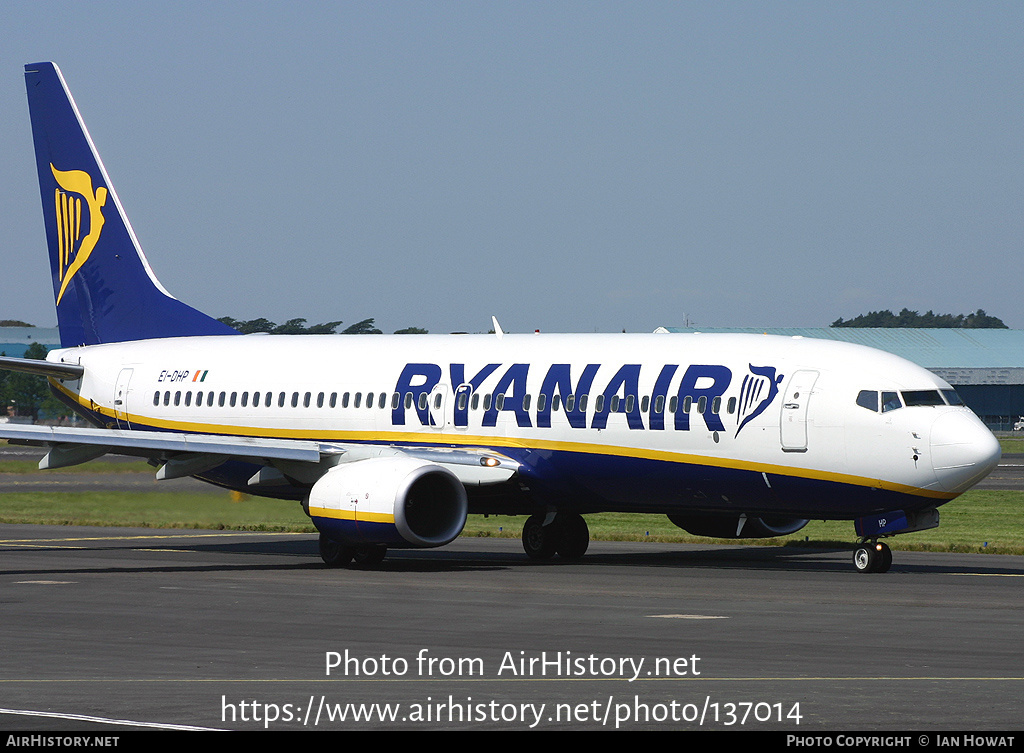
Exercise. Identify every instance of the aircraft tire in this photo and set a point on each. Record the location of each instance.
(368, 555)
(573, 536)
(334, 554)
(539, 541)
(872, 558)
(886, 559)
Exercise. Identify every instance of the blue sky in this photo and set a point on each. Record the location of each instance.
(566, 166)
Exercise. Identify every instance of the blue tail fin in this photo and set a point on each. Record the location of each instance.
(102, 284)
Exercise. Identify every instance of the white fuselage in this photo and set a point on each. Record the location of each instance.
(652, 421)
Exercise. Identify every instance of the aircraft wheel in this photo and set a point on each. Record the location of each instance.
(368, 555)
(886, 558)
(872, 558)
(334, 554)
(573, 536)
(539, 541)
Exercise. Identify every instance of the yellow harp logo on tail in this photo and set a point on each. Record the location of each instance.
(72, 249)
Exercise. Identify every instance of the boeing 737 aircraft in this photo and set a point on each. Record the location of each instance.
(389, 441)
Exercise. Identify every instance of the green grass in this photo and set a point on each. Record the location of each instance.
(967, 522)
(23, 467)
(1011, 444)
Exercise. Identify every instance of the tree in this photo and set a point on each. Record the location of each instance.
(290, 327)
(26, 393)
(908, 318)
(364, 327)
(411, 331)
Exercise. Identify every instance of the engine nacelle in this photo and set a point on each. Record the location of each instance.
(727, 526)
(396, 501)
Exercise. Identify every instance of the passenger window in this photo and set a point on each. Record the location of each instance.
(234, 396)
(320, 400)
(344, 400)
(334, 399)
(382, 400)
(569, 401)
(659, 404)
(421, 403)
(359, 400)
(245, 399)
(868, 399)
(732, 405)
(188, 398)
(542, 400)
(295, 399)
(306, 399)
(209, 399)
(280, 400)
(177, 398)
(582, 407)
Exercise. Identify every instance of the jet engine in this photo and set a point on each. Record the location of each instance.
(394, 501)
(736, 526)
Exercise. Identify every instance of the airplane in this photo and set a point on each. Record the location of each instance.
(390, 441)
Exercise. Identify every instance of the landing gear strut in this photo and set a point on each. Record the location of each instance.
(872, 557)
(567, 535)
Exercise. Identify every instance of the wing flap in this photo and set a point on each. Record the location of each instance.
(183, 454)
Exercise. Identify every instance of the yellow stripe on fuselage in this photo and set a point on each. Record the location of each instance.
(449, 440)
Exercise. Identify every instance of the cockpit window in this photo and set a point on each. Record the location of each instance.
(868, 399)
(922, 397)
(890, 401)
(951, 397)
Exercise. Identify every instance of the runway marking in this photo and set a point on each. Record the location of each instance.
(993, 575)
(32, 542)
(478, 680)
(103, 720)
(690, 616)
(44, 582)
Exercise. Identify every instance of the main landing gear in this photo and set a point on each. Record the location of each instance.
(872, 557)
(564, 534)
(339, 555)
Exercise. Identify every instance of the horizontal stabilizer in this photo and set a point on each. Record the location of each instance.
(42, 368)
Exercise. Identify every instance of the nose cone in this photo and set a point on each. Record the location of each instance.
(964, 451)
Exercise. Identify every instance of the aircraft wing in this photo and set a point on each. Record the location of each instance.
(181, 454)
